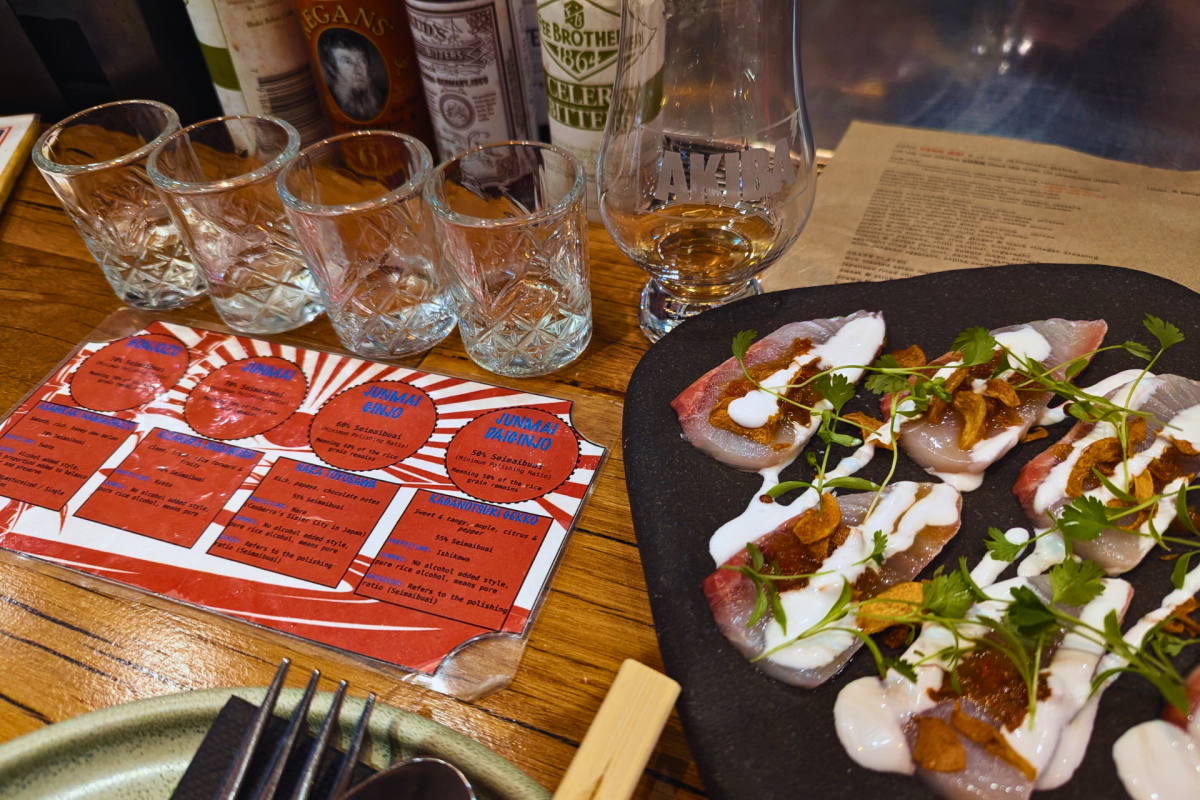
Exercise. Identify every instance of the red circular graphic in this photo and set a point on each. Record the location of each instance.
(129, 372)
(512, 454)
(373, 425)
(246, 398)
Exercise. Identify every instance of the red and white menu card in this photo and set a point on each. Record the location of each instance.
(385, 511)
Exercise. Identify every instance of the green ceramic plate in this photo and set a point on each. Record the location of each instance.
(139, 750)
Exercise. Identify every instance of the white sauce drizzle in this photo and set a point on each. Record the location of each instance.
(855, 343)
(1054, 487)
(1158, 761)
(1048, 552)
(1025, 343)
(870, 713)
(962, 481)
(1076, 737)
(900, 516)
(761, 518)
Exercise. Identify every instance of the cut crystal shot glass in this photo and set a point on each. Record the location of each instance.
(218, 178)
(95, 162)
(512, 225)
(356, 208)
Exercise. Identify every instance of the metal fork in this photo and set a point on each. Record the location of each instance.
(269, 783)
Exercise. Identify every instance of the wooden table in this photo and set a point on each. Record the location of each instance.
(67, 650)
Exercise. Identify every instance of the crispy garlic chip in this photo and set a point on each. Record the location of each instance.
(906, 593)
(1184, 447)
(938, 406)
(1034, 435)
(980, 732)
(910, 357)
(1097, 454)
(938, 747)
(816, 524)
(973, 409)
(1002, 391)
(867, 424)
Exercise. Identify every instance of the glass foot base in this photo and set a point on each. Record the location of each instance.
(661, 311)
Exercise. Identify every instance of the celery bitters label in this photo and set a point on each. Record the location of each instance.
(580, 43)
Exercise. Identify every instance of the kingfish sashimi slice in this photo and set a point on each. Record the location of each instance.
(840, 341)
(877, 719)
(918, 519)
(1042, 485)
(935, 447)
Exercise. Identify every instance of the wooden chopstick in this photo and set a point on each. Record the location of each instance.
(622, 736)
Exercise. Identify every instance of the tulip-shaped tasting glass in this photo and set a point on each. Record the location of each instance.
(706, 172)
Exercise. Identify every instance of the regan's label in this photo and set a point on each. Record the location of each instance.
(456, 558)
(512, 455)
(48, 456)
(580, 42)
(129, 373)
(475, 67)
(363, 51)
(373, 425)
(170, 487)
(246, 398)
(306, 521)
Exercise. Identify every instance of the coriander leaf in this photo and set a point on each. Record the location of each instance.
(1137, 349)
(851, 483)
(835, 388)
(886, 361)
(884, 383)
(938, 387)
(1112, 629)
(1002, 367)
(977, 593)
(947, 596)
(903, 667)
(1171, 645)
(1000, 547)
(1181, 568)
(1084, 519)
(811, 458)
(1181, 511)
(760, 603)
(879, 548)
(832, 437)
(1028, 615)
(1075, 367)
(1166, 333)
(1119, 493)
(783, 488)
(976, 345)
(741, 343)
(1076, 583)
(1080, 409)
(777, 607)
(756, 556)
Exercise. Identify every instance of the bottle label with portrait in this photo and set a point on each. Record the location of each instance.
(476, 67)
(364, 56)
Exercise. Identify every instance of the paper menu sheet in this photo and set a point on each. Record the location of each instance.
(897, 202)
(401, 515)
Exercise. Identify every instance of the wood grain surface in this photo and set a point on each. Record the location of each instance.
(66, 649)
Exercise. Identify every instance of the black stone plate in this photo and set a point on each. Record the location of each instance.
(755, 738)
